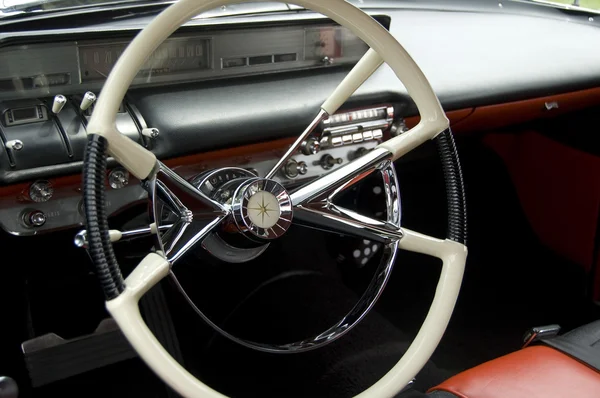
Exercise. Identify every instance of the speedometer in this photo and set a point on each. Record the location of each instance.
(174, 56)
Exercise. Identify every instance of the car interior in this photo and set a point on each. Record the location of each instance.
(330, 198)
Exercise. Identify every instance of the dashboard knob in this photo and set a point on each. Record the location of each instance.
(34, 218)
(59, 103)
(118, 178)
(150, 132)
(15, 145)
(293, 169)
(327, 61)
(328, 161)
(358, 153)
(88, 99)
(311, 146)
(41, 191)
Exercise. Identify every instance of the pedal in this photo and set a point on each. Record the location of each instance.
(50, 358)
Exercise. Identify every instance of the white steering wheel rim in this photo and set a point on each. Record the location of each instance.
(142, 163)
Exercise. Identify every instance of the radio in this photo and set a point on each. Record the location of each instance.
(356, 126)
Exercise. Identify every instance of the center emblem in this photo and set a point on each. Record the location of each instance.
(262, 209)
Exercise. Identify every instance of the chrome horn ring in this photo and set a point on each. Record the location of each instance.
(389, 234)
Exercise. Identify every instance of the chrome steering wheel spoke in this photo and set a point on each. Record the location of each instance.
(196, 214)
(314, 203)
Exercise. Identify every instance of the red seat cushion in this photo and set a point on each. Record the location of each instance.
(534, 372)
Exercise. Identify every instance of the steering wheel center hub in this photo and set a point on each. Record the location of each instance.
(262, 209)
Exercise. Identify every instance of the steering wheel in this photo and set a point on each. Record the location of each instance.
(252, 197)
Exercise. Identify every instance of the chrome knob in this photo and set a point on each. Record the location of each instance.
(88, 99)
(59, 103)
(311, 146)
(328, 161)
(293, 168)
(34, 218)
(302, 168)
(118, 178)
(41, 191)
(327, 61)
(15, 145)
(150, 132)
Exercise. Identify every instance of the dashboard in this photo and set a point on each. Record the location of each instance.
(234, 91)
(48, 91)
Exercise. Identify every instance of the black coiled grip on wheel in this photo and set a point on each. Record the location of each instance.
(455, 187)
(94, 203)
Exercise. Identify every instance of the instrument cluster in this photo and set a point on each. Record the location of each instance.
(74, 66)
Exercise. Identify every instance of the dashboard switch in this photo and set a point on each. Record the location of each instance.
(328, 161)
(118, 178)
(293, 169)
(59, 103)
(88, 99)
(34, 218)
(41, 191)
(15, 145)
(150, 132)
(336, 141)
(311, 146)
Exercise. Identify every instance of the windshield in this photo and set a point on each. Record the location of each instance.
(10, 7)
(24, 7)
(14, 7)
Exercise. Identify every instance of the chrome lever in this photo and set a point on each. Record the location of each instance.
(80, 239)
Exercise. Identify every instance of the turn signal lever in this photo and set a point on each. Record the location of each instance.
(115, 235)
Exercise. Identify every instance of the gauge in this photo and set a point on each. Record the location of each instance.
(323, 42)
(41, 191)
(177, 55)
(209, 183)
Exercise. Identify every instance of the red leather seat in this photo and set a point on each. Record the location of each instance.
(534, 372)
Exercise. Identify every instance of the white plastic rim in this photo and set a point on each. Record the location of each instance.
(154, 267)
(141, 163)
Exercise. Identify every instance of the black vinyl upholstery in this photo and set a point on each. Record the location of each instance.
(582, 344)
